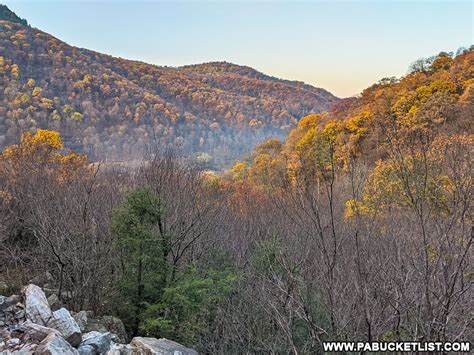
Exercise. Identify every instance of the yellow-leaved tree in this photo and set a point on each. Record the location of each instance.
(40, 154)
(431, 180)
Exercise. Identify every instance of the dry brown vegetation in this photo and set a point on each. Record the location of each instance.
(359, 226)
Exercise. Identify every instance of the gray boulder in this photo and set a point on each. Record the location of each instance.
(116, 327)
(6, 302)
(54, 302)
(27, 349)
(153, 346)
(86, 350)
(54, 344)
(121, 349)
(88, 323)
(13, 342)
(62, 321)
(95, 343)
(35, 332)
(12, 311)
(82, 320)
(36, 305)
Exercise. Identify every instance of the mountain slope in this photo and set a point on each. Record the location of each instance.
(8, 15)
(435, 101)
(113, 107)
(225, 68)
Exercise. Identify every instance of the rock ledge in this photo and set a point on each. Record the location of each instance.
(29, 326)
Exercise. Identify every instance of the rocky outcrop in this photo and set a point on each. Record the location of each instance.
(6, 302)
(152, 346)
(11, 310)
(66, 325)
(95, 343)
(82, 319)
(115, 326)
(29, 326)
(88, 322)
(36, 305)
(35, 332)
(54, 302)
(54, 344)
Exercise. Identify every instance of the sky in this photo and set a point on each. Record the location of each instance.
(342, 46)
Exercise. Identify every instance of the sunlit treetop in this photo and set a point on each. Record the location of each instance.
(43, 137)
(41, 152)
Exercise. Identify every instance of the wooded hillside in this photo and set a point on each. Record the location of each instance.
(114, 108)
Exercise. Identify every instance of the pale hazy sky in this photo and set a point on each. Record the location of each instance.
(343, 46)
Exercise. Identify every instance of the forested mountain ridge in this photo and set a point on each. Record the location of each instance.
(216, 68)
(434, 100)
(357, 227)
(106, 106)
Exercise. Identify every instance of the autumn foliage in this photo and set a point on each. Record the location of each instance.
(435, 101)
(39, 153)
(116, 108)
(358, 226)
